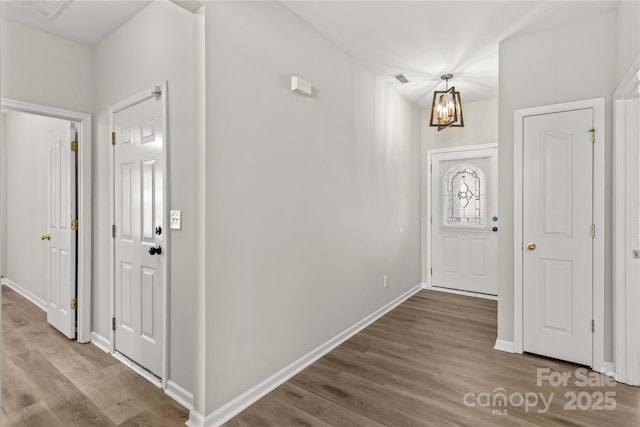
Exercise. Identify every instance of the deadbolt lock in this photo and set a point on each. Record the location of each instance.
(531, 246)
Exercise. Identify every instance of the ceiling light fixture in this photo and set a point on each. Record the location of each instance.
(446, 108)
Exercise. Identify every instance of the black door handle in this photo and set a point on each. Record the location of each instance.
(494, 229)
(157, 250)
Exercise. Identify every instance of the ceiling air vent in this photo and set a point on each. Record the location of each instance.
(47, 8)
(401, 78)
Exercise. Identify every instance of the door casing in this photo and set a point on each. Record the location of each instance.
(597, 104)
(626, 272)
(135, 99)
(84, 248)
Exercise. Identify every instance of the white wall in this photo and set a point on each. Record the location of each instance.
(43, 69)
(564, 64)
(27, 174)
(3, 192)
(627, 46)
(480, 126)
(155, 45)
(305, 197)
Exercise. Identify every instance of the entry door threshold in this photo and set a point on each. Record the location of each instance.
(465, 293)
(152, 378)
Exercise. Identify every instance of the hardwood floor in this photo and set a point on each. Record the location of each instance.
(416, 365)
(49, 381)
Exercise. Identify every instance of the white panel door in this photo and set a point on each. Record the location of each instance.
(464, 208)
(139, 218)
(557, 233)
(62, 238)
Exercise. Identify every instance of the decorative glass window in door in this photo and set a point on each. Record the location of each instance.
(464, 196)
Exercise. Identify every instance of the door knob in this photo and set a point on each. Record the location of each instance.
(157, 250)
(45, 237)
(531, 246)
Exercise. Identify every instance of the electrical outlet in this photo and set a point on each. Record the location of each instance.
(385, 282)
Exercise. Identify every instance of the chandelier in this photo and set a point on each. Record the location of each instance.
(446, 108)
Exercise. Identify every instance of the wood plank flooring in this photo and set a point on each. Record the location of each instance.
(49, 381)
(415, 366)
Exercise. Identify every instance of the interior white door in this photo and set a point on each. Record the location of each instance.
(61, 312)
(140, 231)
(464, 222)
(557, 233)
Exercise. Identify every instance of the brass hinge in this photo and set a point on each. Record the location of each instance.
(74, 145)
(593, 135)
(113, 323)
(74, 304)
(593, 230)
(113, 138)
(113, 231)
(74, 224)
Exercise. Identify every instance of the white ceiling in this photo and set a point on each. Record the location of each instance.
(421, 39)
(82, 21)
(425, 39)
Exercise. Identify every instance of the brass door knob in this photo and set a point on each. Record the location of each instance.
(531, 246)
(45, 237)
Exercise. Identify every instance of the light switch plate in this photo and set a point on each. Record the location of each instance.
(175, 220)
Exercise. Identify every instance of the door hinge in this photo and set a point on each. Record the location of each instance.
(430, 220)
(593, 230)
(593, 135)
(74, 225)
(113, 231)
(593, 325)
(113, 138)
(74, 145)
(431, 271)
(113, 323)
(74, 304)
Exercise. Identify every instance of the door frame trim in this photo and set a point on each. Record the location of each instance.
(84, 249)
(597, 104)
(626, 276)
(133, 100)
(426, 203)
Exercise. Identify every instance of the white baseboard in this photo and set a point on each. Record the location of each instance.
(179, 394)
(502, 345)
(240, 403)
(237, 405)
(101, 342)
(608, 368)
(459, 292)
(39, 302)
(195, 419)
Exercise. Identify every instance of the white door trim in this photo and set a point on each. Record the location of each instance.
(84, 203)
(597, 104)
(626, 277)
(426, 204)
(135, 99)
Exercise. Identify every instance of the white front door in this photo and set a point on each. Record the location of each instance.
(557, 234)
(139, 233)
(61, 311)
(464, 222)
